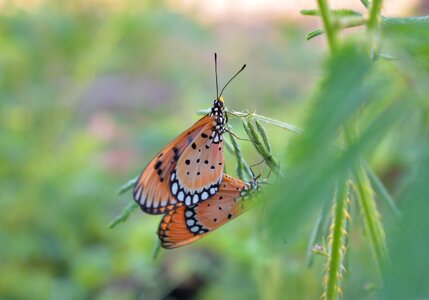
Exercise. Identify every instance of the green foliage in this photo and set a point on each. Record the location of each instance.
(337, 244)
(407, 276)
(370, 216)
(334, 12)
(243, 170)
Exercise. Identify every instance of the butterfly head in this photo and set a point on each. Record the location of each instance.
(218, 106)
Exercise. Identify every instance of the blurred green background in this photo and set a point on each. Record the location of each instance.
(91, 90)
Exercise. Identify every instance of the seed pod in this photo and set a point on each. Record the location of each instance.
(263, 134)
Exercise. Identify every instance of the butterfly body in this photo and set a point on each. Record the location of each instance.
(188, 170)
(187, 224)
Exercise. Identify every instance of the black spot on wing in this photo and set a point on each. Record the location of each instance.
(158, 164)
(176, 153)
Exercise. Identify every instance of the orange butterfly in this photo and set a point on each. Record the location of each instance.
(185, 225)
(190, 168)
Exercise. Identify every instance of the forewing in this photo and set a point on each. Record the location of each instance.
(199, 169)
(152, 190)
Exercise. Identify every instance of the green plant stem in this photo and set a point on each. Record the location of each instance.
(336, 252)
(374, 15)
(328, 24)
(373, 27)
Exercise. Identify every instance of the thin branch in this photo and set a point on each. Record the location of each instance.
(328, 24)
(374, 15)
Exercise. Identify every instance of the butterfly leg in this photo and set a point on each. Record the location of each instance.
(237, 137)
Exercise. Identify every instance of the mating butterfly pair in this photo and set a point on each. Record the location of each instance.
(186, 182)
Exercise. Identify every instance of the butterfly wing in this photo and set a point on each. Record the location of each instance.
(152, 190)
(185, 225)
(199, 169)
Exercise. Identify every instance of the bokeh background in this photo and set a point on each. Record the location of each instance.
(91, 90)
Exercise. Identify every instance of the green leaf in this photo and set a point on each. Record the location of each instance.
(365, 3)
(263, 134)
(313, 34)
(314, 164)
(381, 191)
(271, 161)
(126, 212)
(407, 276)
(334, 12)
(340, 96)
(410, 37)
(370, 216)
(127, 186)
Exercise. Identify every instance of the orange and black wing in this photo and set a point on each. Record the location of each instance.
(187, 224)
(152, 190)
(199, 169)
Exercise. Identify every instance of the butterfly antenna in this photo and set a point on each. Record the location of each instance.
(242, 68)
(217, 85)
